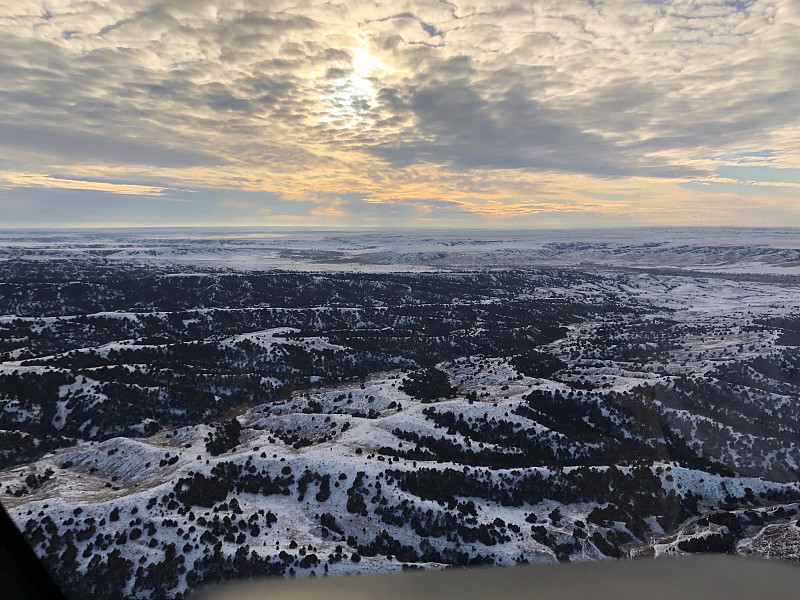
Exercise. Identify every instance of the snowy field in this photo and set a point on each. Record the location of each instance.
(732, 250)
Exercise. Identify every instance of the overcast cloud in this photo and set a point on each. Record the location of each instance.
(366, 113)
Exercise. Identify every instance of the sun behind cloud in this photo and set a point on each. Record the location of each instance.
(353, 95)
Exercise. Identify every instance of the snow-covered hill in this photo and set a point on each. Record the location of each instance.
(166, 426)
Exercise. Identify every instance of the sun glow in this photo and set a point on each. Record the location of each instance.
(352, 97)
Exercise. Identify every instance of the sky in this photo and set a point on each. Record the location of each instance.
(502, 114)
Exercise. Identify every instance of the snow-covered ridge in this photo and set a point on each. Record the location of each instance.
(172, 412)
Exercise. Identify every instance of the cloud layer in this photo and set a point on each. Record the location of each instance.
(472, 113)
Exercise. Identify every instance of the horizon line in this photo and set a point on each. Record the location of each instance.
(387, 228)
